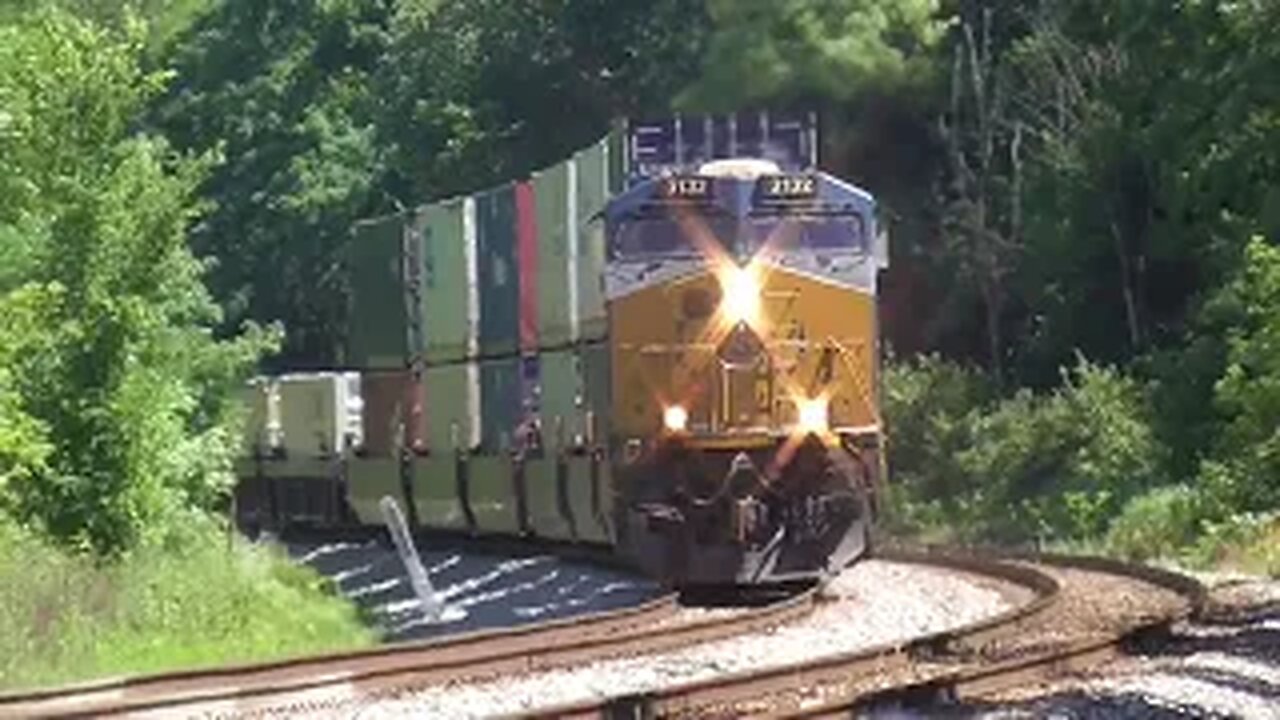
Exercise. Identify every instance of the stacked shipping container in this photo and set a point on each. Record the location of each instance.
(480, 312)
(478, 327)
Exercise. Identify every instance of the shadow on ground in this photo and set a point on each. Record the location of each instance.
(1225, 669)
(478, 591)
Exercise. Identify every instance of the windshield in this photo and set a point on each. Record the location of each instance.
(817, 232)
(657, 237)
(665, 237)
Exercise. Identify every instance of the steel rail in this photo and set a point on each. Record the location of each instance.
(694, 699)
(981, 679)
(726, 696)
(473, 656)
(442, 656)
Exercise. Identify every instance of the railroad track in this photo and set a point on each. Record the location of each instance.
(1027, 641)
(1023, 645)
(658, 625)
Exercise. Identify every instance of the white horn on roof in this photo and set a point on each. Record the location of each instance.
(740, 168)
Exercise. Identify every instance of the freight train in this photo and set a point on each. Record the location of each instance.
(667, 343)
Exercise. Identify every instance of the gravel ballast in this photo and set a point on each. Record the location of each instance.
(1224, 666)
(874, 602)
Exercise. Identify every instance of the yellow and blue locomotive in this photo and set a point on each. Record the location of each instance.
(742, 327)
(683, 367)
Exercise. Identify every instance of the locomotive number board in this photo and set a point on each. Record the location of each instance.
(686, 187)
(785, 187)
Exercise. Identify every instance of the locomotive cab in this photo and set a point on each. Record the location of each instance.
(745, 430)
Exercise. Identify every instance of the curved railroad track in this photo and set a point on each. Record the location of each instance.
(657, 625)
(244, 686)
(1080, 610)
(1086, 610)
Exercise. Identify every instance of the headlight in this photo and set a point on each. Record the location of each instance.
(812, 415)
(741, 302)
(675, 418)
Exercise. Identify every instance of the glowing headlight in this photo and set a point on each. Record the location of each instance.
(675, 418)
(812, 415)
(741, 301)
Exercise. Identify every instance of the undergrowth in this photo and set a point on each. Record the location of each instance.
(187, 602)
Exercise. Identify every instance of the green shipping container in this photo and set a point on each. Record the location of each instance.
(435, 492)
(591, 181)
(377, 336)
(500, 404)
(597, 402)
(453, 407)
(543, 490)
(617, 141)
(368, 481)
(491, 494)
(596, 381)
(561, 411)
(557, 297)
(560, 417)
(497, 272)
(448, 275)
(586, 498)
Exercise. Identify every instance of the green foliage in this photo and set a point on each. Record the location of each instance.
(281, 91)
(927, 406)
(110, 365)
(784, 50)
(328, 112)
(189, 601)
(1058, 466)
(1247, 451)
(1054, 466)
(1157, 524)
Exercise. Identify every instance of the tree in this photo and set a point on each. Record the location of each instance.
(280, 89)
(982, 202)
(110, 375)
(789, 50)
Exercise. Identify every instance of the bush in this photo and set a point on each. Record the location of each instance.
(1058, 467)
(114, 391)
(1248, 394)
(183, 602)
(927, 407)
(1157, 524)
(1049, 467)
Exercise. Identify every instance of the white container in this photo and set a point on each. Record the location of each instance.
(261, 401)
(319, 413)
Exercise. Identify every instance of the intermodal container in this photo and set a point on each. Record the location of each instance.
(392, 413)
(377, 335)
(527, 251)
(448, 257)
(591, 191)
(560, 400)
(497, 272)
(557, 248)
(596, 388)
(500, 404)
(261, 400)
(453, 409)
(616, 142)
(319, 413)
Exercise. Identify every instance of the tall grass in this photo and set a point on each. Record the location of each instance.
(192, 601)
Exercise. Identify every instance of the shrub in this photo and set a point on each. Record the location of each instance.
(927, 406)
(1157, 524)
(1047, 467)
(186, 601)
(1057, 467)
(113, 387)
